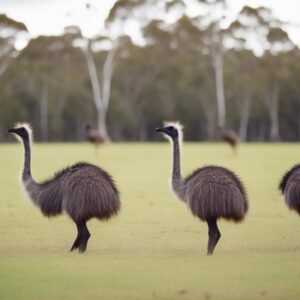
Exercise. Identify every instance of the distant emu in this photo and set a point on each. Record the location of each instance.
(93, 136)
(290, 187)
(83, 191)
(210, 192)
(230, 137)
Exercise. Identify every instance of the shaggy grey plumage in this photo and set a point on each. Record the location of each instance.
(290, 187)
(211, 192)
(83, 191)
(214, 192)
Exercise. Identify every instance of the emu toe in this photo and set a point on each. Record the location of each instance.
(75, 245)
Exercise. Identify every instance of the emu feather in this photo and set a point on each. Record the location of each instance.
(290, 187)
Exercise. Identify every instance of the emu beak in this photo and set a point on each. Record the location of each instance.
(11, 130)
(160, 129)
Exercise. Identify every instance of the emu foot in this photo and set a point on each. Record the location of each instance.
(82, 238)
(212, 242)
(75, 245)
(82, 247)
(83, 243)
(210, 252)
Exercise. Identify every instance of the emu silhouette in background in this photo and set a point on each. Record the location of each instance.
(93, 136)
(83, 191)
(290, 187)
(230, 137)
(210, 192)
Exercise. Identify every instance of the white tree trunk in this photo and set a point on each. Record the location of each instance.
(44, 111)
(217, 10)
(101, 124)
(273, 111)
(218, 67)
(210, 120)
(93, 76)
(107, 74)
(101, 90)
(244, 117)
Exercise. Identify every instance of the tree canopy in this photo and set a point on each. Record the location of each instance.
(170, 76)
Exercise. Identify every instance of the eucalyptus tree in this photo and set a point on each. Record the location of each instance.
(142, 83)
(101, 85)
(209, 26)
(215, 31)
(44, 68)
(263, 33)
(241, 71)
(197, 73)
(150, 20)
(277, 72)
(100, 76)
(12, 35)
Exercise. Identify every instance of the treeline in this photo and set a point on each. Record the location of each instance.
(171, 77)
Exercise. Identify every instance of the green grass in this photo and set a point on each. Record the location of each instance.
(154, 249)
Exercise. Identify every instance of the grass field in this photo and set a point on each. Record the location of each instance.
(154, 249)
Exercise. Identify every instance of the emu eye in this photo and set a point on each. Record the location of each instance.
(171, 128)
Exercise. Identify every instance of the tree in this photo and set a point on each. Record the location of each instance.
(100, 83)
(211, 39)
(214, 40)
(43, 70)
(167, 75)
(101, 87)
(241, 80)
(11, 32)
(272, 42)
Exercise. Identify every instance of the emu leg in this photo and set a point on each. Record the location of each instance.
(76, 242)
(84, 236)
(81, 240)
(213, 234)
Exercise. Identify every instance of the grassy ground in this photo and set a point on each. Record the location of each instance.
(154, 249)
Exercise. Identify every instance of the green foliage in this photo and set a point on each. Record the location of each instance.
(170, 77)
(8, 23)
(122, 8)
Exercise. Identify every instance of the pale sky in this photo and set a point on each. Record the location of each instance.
(49, 17)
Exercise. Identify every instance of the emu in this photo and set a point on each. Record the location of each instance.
(290, 187)
(83, 191)
(94, 136)
(210, 192)
(230, 137)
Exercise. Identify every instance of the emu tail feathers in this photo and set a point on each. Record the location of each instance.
(286, 177)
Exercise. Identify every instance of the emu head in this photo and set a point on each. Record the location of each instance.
(22, 131)
(171, 130)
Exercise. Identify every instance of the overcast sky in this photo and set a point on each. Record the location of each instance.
(49, 17)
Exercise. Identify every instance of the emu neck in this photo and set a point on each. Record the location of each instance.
(31, 187)
(177, 182)
(26, 174)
